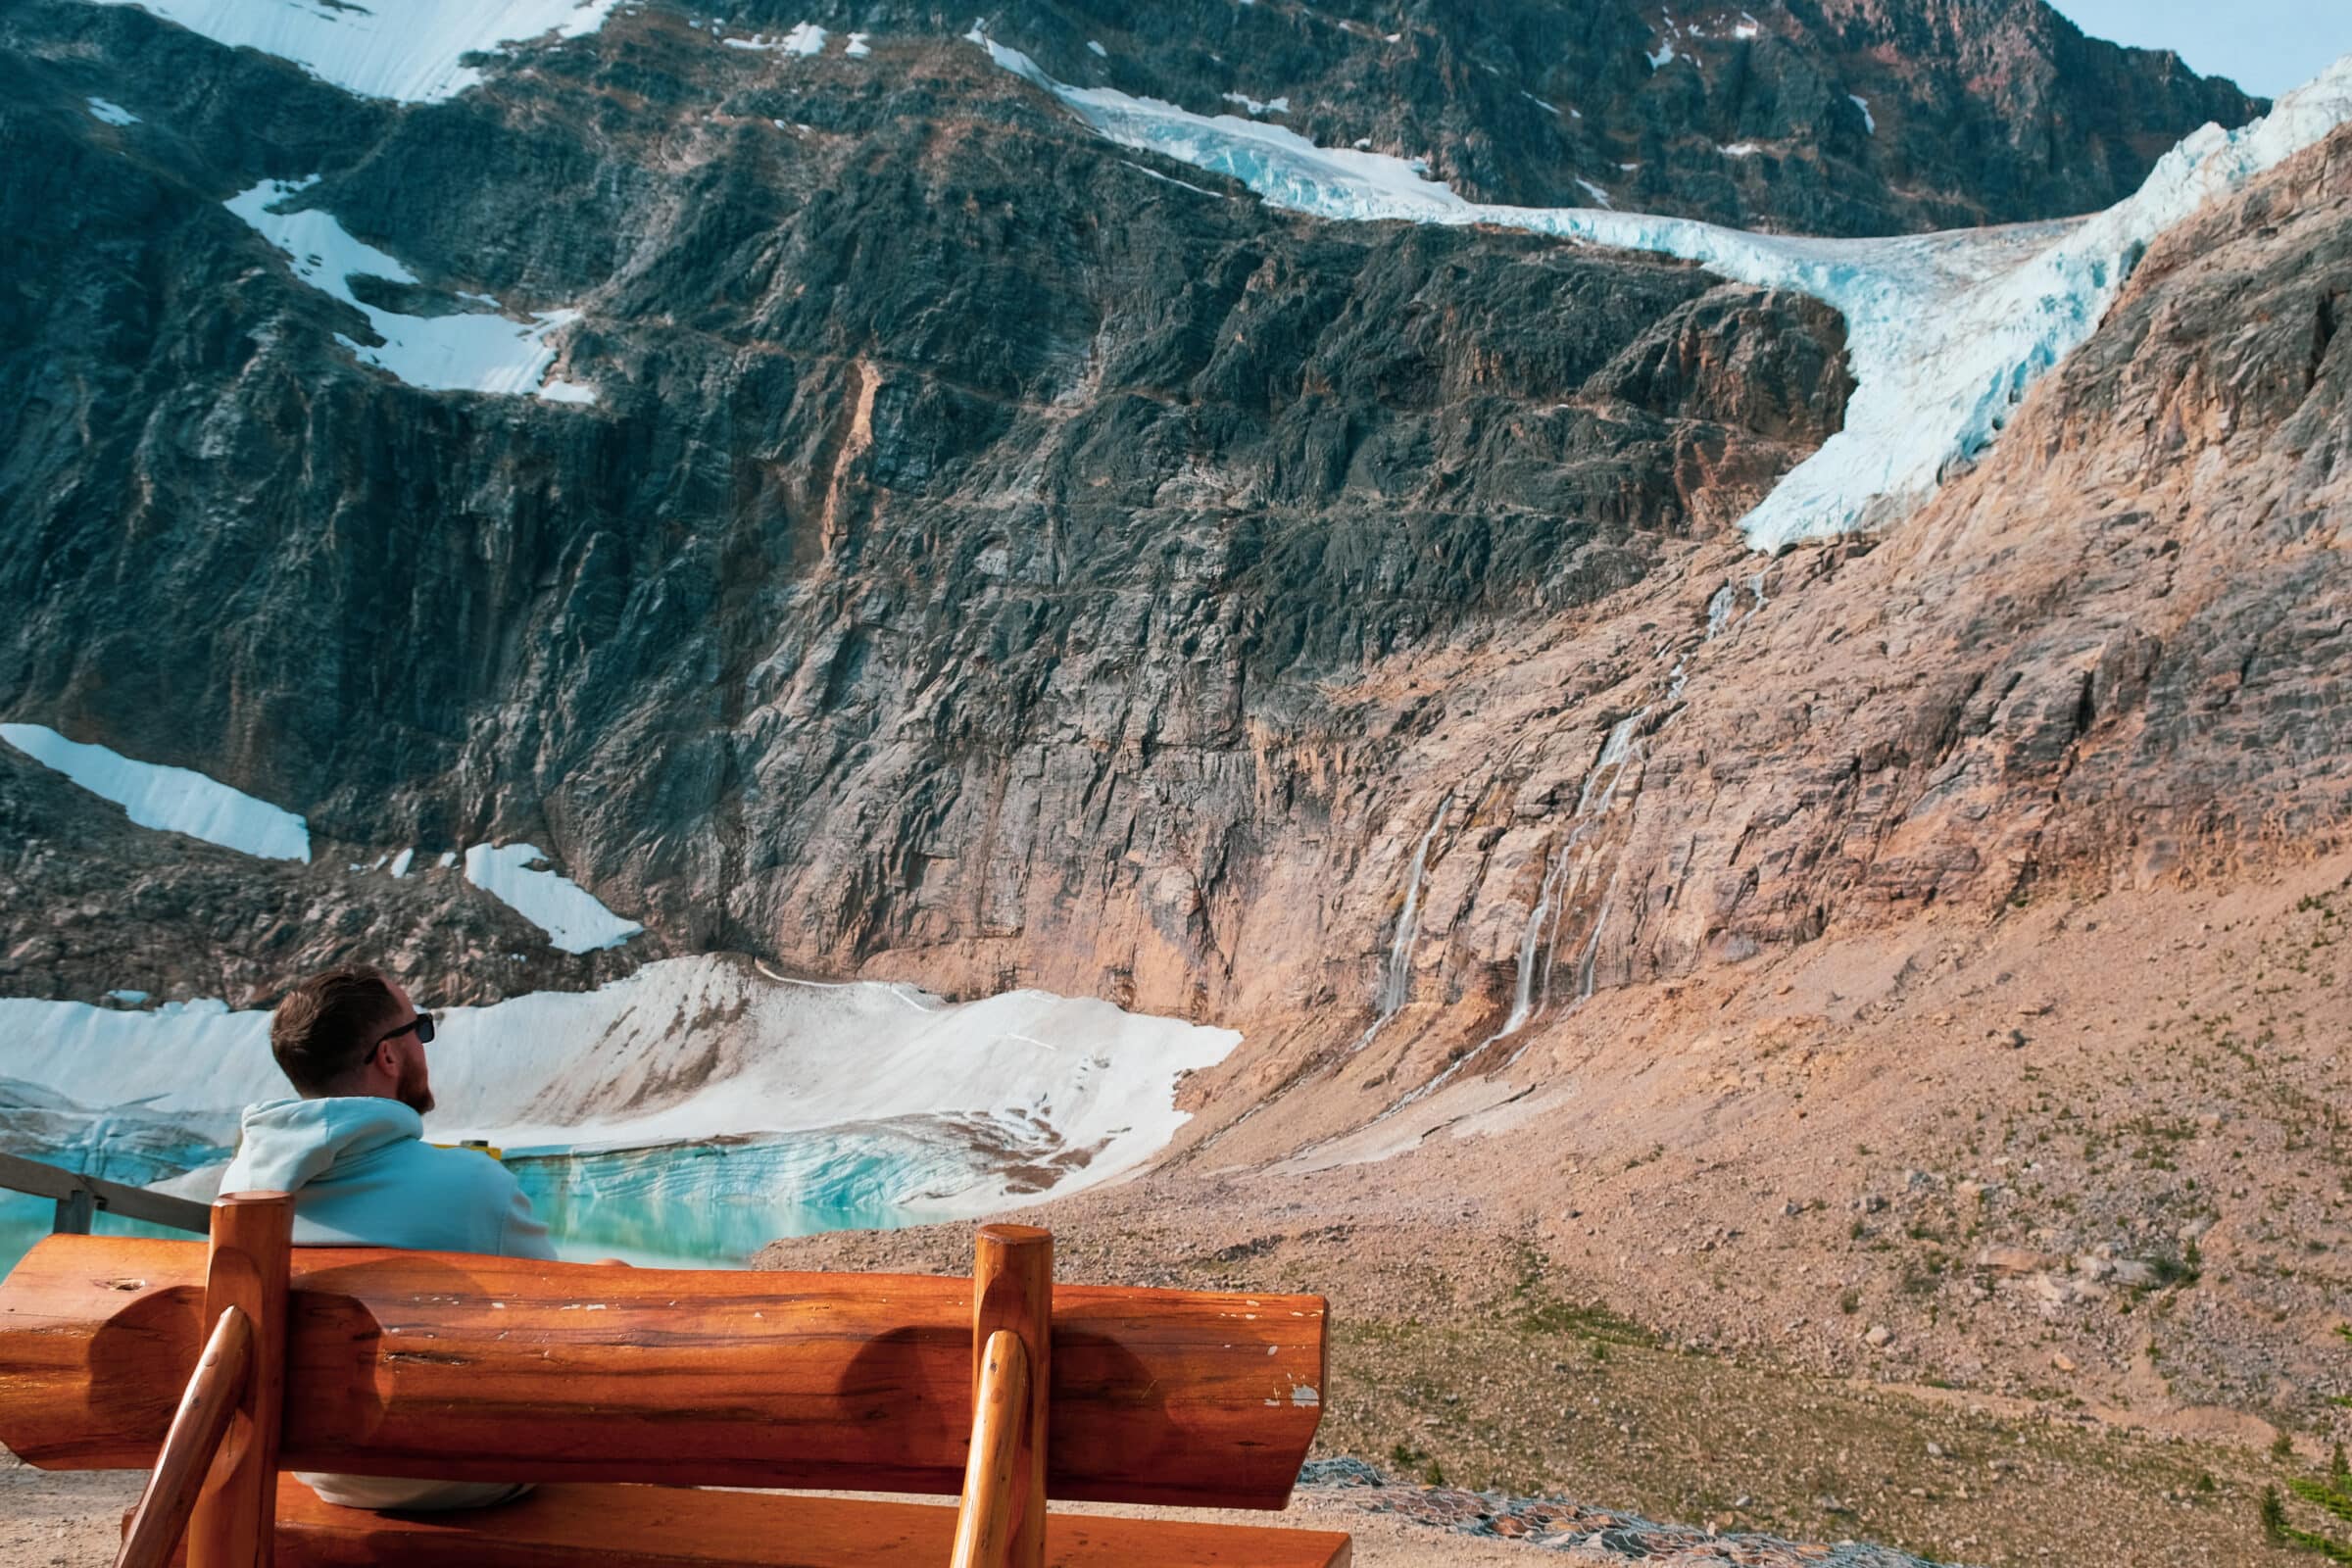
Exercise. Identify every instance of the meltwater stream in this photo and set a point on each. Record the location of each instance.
(688, 1113)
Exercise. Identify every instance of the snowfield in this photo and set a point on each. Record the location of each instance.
(466, 351)
(574, 920)
(925, 1108)
(1945, 331)
(175, 800)
(405, 50)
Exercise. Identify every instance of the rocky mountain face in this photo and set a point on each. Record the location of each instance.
(990, 558)
(1850, 117)
(2113, 658)
(94, 897)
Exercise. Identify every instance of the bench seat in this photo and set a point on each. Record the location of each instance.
(673, 1526)
(637, 1401)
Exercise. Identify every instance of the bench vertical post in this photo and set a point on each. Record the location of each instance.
(1012, 1291)
(234, 1522)
(156, 1529)
(75, 1212)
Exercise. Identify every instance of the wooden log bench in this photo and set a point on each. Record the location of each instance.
(618, 1391)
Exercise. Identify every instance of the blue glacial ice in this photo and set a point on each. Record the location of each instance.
(696, 1108)
(1945, 331)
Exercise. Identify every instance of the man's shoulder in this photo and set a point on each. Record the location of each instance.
(454, 1175)
(478, 1167)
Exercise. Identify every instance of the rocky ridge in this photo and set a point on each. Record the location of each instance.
(1035, 534)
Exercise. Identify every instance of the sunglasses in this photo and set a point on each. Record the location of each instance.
(423, 1023)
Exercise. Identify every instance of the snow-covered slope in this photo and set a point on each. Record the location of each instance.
(694, 1049)
(1946, 331)
(173, 799)
(471, 351)
(407, 50)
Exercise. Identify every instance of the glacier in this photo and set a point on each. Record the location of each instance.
(411, 52)
(464, 352)
(854, 1103)
(175, 800)
(1945, 332)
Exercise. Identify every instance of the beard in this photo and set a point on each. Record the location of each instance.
(415, 1089)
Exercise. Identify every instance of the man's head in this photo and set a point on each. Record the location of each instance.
(353, 1030)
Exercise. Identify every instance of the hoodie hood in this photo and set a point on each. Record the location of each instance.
(287, 1144)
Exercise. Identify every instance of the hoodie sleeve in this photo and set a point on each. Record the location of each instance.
(521, 1233)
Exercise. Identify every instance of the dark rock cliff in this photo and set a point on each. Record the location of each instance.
(989, 560)
(1864, 117)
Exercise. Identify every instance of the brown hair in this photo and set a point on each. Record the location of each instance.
(324, 1028)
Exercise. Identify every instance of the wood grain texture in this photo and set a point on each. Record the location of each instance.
(564, 1526)
(1012, 1294)
(994, 1483)
(160, 1522)
(485, 1368)
(246, 1271)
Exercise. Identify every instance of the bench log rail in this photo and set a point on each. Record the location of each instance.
(1002, 1390)
(80, 1198)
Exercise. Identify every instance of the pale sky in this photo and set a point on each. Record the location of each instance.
(2265, 46)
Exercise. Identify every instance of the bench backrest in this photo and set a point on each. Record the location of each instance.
(469, 1367)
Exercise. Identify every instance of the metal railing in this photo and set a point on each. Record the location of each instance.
(80, 1197)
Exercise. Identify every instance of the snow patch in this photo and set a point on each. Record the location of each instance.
(407, 52)
(109, 112)
(1664, 56)
(1739, 149)
(133, 997)
(1095, 46)
(552, 390)
(1945, 332)
(574, 920)
(806, 38)
(1600, 197)
(859, 45)
(468, 352)
(401, 863)
(1552, 109)
(1270, 106)
(175, 800)
(1869, 122)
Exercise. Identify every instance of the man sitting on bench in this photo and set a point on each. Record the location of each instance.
(351, 1149)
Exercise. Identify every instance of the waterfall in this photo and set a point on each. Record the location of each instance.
(1612, 755)
(1718, 609)
(1396, 978)
(1592, 955)
(1531, 947)
(1531, 993)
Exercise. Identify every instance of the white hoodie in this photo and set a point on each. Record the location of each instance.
(362, 1175)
